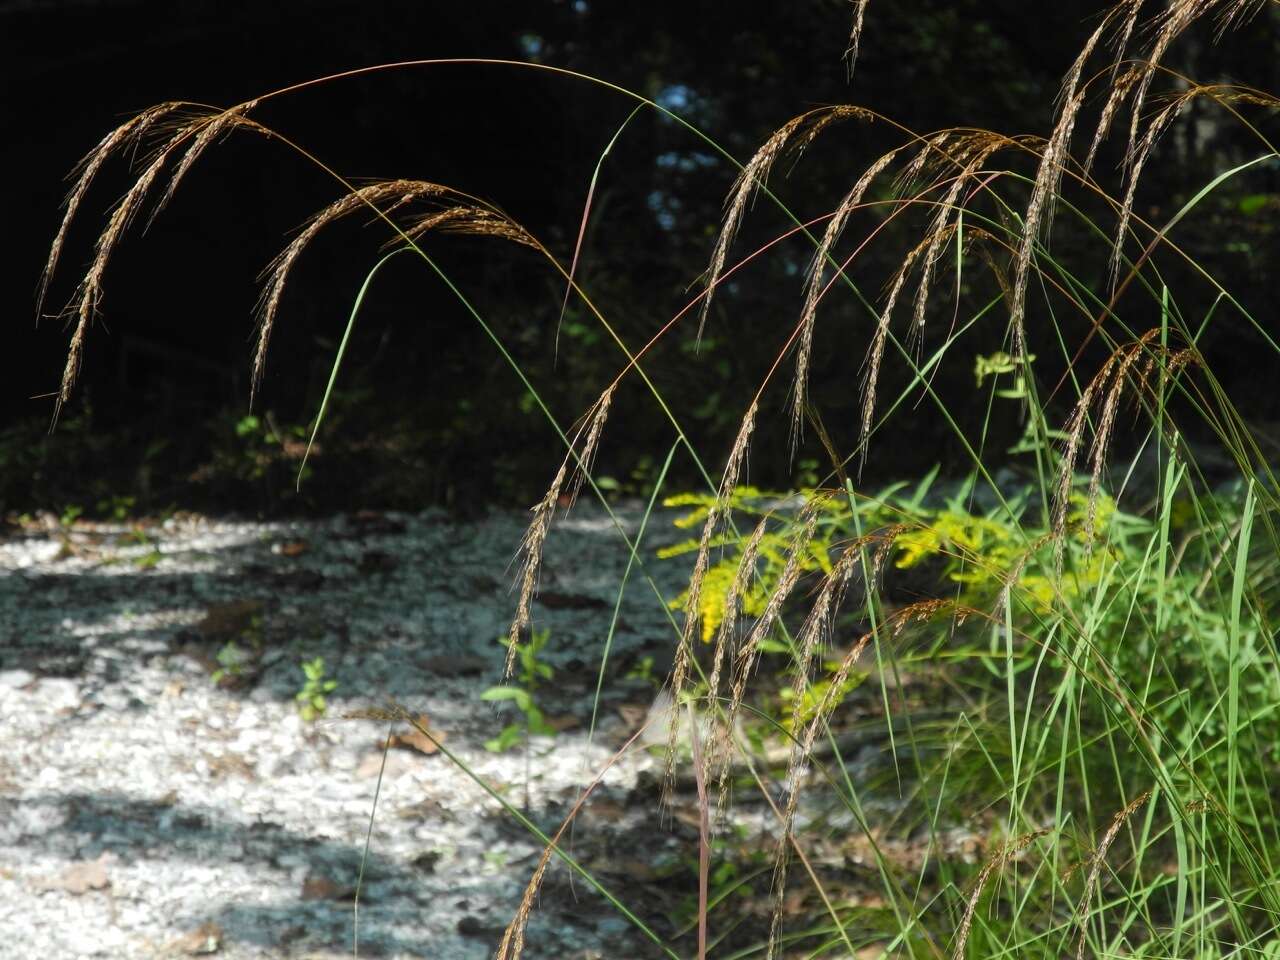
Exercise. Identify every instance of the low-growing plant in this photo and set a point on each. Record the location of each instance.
(313, 697)
(642, 670)
(117, 507)
(149, 560)
(232, 660)
(532, 672)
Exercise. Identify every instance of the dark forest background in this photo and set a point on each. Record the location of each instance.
(428, 411)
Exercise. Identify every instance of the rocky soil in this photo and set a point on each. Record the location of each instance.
(161, 795)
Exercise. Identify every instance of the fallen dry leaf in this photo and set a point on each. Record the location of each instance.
(414, 739)
(204, 940)
(293, 548)
(317, 886)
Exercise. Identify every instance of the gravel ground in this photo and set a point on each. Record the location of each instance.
(148, 808)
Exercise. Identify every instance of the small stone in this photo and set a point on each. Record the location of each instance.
(15, 679)
(83, 876)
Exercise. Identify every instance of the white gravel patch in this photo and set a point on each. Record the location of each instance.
(146, 810)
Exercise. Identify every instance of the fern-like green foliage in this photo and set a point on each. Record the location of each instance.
(978, 551)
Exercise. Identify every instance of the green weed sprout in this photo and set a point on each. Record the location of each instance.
(531, 672)
(231, 661)
(311, 698)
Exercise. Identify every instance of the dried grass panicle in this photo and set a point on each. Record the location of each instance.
(472, 221)
(512, 944)
(544, 511)
(1129, 10)
(715, 514)
(929, 150)
(975, 152)
(817, 630)
(918, 612)
(531, 549)
(720, 749)
(829, 699)
(749, 179)
(393, 193)
(684, 648)
(89, 294)
(513, 938)
(825, 117)
(947, 153)
(855, 33)
(885, 540)
(813, 634)
(1169, 24)
(206, 131)
(1096, 861)
(1140, 153)
(1106, 421)
(744, 663)
(1040, 214)
(1109, 383)
(817, 625)
(589, 445)
(1070, 454)
(128, 134)
(795, 135)
(1121, 86)
(1236, 12)
(967, 150)
(993, 864)
(1138, 160)
(835, 226)
(1040, 208)
(875, 355)
(814, 286)
(1070, 99)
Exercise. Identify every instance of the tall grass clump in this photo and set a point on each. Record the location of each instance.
(1031, 708)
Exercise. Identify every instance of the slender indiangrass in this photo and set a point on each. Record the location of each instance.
(794, 135)
(933, 695)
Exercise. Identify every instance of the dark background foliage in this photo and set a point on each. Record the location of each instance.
(428, 410)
